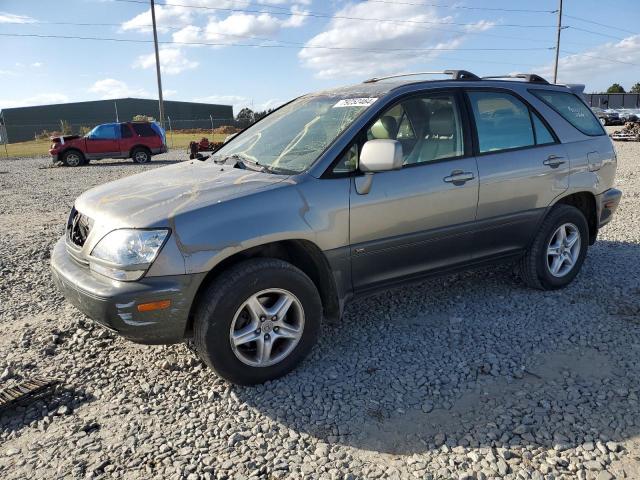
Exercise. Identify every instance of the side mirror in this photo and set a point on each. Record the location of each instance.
(381, 155)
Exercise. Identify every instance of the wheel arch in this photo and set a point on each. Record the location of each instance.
(585, 202)
(304, 254)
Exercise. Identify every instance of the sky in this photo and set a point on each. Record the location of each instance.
(261, 53)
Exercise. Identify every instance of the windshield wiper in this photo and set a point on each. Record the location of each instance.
(240, 161)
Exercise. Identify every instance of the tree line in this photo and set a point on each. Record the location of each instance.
(617, 88)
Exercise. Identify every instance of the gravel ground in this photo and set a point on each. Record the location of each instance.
(467, 376)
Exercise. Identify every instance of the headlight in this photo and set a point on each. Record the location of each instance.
(127, 253)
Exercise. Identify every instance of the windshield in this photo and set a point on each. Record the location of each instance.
(293, 137)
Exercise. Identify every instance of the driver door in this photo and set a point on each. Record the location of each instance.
(419, 218)
(104, 141)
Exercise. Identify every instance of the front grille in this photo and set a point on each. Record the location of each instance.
(78, 228)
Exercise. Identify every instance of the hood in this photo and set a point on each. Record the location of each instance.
(154, 197)
(64, 138)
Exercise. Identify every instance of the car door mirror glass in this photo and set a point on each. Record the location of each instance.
(381, 155)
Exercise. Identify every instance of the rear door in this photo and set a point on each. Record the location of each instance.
(147, 136)
(104, 141)
(522, 168)
(418, 218)
(127, 140)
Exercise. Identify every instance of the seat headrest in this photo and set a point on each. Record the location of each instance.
(441, 123)
(385, 128)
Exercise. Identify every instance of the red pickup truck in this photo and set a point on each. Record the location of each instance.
(135, 140)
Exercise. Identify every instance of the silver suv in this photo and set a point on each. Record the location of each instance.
(334, 195)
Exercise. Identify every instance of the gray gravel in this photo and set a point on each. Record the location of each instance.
(467, 376)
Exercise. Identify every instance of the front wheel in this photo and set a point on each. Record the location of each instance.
(558, 251)
(72, 158)
(257, 321)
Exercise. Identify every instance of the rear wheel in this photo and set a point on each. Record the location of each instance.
(141, 155)
(72, 158)
(257, 321)
(558, 251)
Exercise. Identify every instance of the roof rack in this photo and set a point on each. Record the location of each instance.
(527, 77)
(455, 75)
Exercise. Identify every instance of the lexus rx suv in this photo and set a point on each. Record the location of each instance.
(334, 195)
(135, 140)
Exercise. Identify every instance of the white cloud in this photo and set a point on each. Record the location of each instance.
(11, 18)
(586, 66)
(37, 64)
(172, 61)
(112, 88)
(168, 92)
(380, 36)
(39, 99)
(239, 102)
(166, 16)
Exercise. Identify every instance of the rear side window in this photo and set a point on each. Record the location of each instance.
(125, 132)
(502, 121)
(143, 130)
(572, 109)
(543, 135)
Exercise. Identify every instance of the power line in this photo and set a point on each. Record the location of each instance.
(331, 16)
(85, 24)
(600, 24)
(594, 32)
(600, 58)
(132, 40)
(464, 7)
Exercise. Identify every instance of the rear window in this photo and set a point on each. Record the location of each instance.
(572, 109)
(143, 129)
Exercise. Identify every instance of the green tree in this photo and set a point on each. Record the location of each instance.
(615, 88)
(635, 88)
(245, 117)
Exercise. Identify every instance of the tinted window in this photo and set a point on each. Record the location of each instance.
(543, 135)
(502, 121)
(428, 128)
(572, 109)
(143, 129)
(125, 132)
(104, 132)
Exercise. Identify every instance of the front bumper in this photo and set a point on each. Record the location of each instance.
(113, 304)
(607, 203)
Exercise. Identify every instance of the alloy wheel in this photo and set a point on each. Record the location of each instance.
(563, 250)
(267, 327)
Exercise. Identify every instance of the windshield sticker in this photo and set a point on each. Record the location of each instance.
(355, 102)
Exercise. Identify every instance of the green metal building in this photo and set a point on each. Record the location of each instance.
(26, 123)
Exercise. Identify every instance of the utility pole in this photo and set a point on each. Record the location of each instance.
(155, 45)
(115, 105)
(555, 66)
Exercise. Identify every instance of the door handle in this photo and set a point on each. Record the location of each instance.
(458, 177)
(554, 161)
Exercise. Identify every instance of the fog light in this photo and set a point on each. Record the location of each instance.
(159, 305)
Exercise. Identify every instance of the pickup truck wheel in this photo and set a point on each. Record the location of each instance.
(141, 155)
(558, 250)
(257, 321)
(72, 158)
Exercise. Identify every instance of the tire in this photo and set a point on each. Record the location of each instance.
(537, 267)
(141, 155)
(73, 158)
(225, 308)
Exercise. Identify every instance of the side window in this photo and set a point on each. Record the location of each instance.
(105, 132)
(543, 135)
(125, 131)
(429, 128)
(143, 129)
(572, 109)
(502, 121)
